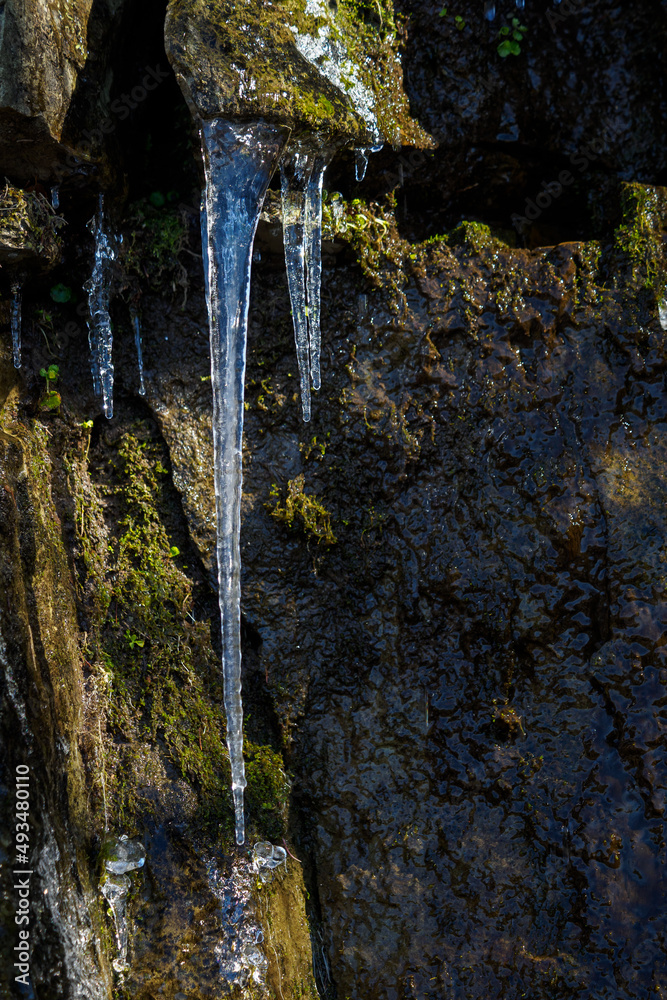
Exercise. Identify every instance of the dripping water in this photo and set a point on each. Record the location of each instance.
(100, 335)
(16, 323)
(360, 164)
(55, 197)
(238, 163)
(138, 340)
(489, 10)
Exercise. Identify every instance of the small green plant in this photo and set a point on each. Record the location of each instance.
(50, 399)
(88, 426)
(458, 20)
(174, 551)
(133, 640)
(511, 36)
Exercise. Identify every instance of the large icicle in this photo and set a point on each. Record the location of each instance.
(16, 323)
(302, 173)
(238, 162)
(100, 336)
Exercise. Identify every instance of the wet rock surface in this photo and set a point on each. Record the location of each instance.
(586, 94)
(471, 680)
(453, 585)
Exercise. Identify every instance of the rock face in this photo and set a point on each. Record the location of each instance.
(453, 578)
(506, 126)
(315, 67)
(470, 678)
(42, 718)
(45, 46)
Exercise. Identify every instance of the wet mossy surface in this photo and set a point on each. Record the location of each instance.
(29, 230)
(241, 61)
(454, 713)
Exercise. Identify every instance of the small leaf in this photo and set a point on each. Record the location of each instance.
(504, 30)
(51, 401)
(504, 49)
(517, 35)
(173, 551)
(515, 49)
(61, 293)
(443, 12)
(157, 199)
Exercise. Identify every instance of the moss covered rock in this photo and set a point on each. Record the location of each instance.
(295, 63)
(28, 229)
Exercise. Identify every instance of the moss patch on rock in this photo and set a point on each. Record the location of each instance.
(29, 230)
(243, 61)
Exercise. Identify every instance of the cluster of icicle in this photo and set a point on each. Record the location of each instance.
(239, 160)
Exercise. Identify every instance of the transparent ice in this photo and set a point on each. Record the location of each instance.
(115, 890)
(124, 856)
(136, 325)
(100, 336)
(360, 163)
(326, 52)
(239, 160)
(302, 173)
(266, 857)
(16, 324)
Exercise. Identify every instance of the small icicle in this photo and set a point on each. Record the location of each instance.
(314, 263)
(360, 164)
(295, 174)
(136, 323)
(55, 197)
(521, 4)
(490, 10)
(239, 160)
(16, 323)
(100, 335)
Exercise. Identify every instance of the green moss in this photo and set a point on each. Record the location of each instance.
(312, 516)
(153, 246)
(156, 671)
(29, 228)
(639, 237)
(267, 794)
(474, 236)
(217, 49)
